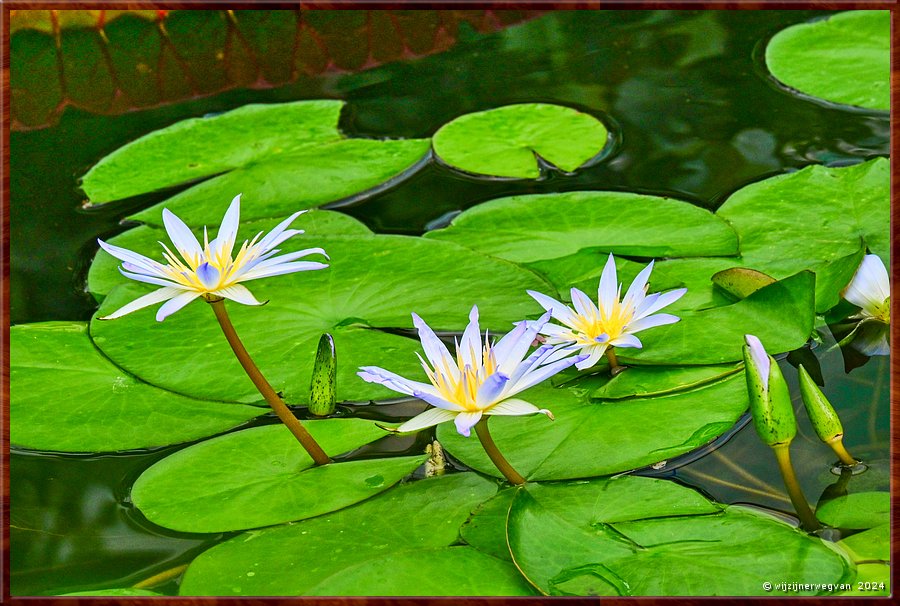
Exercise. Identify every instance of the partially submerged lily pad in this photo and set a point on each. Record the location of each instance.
(507, 141)
(590, 439)
(67, 397)
(856, 510)
(635, 536)
(262, 476)
(373, 282)
(532, 228)
(844, 58)
(649, 381)
(280, 156)
(404, 526)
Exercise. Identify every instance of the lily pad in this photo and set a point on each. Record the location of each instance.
(486, 529)
(262, 476)
(872, 579)
(780, 314)
(872, 544)
(814, 219)
(594, 439)
(649, 381)
(507, 141)
(281, 157)
(856, 510)
(295, 559)
(845, 58)
(643, 537)
(373, 282)
(532, 228)
(445, 571)
(741, 282)
(67, 397)
(103, 274)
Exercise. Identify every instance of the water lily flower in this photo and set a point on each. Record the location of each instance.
(481, 380)
(593, 329)
(870, 290)
(209, 271)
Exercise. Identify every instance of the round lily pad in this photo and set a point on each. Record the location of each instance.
(634, 536)
(816, 218)
(508, 141)
(373, 282)
(590, 439)
(844, 58)
(280, 156)
(532, 228)
(67, 397)
(856, 510)
(262, 476)
(298, 559)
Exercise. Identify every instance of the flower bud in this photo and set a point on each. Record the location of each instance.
(770, 399)
(822, 414)
(322, 388)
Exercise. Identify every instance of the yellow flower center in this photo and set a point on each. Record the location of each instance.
(464, 389)
(610, 322)
(185, 272)
(882, 312)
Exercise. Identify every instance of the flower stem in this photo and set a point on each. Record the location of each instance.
(837, 445)
(487, 442)
(807, 518)
(306, 440)
(614, 366)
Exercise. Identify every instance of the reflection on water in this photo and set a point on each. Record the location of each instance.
(695, 117)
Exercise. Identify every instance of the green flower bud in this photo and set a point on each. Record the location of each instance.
(822, 414)
(322, 388)
(770, 399)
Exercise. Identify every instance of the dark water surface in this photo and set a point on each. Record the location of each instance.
(695, 116)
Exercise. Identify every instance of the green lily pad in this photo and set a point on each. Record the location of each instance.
(741, 282)
(649, 381)
(594, 439)
(506, 141)
(262, 476)
(486, 529)
(280, 156)
(781, 315)
(872, 544)
(293, 560)
(103, 274)
(643, 537)
(845, 58)
(527, 229)
(66, 397)
(814, 219)
(856, 510)
(445, 571)
(373, 282)
(120, 592)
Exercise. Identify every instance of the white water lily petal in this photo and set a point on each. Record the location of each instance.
(870, 285)
(138, 260)
(515, 353)
(266, 242)
(157, 296)
(437, 401)
(429, 418)
(147, 279)
(759, 357)
(181, 236)
(437, 353)
(470, 347)
(659, 301)
(374, 374)
(652, 322)
(465, 421)
(608, 289)
(227, 234)
(239, 294)
(627, 341)
(636, 291)
(594, 354)
(559, 310)
(175, 303)
(583, 304)
(535, 376)
(514, 407)
(281, 269)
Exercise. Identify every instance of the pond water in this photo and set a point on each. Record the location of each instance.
(692, 117)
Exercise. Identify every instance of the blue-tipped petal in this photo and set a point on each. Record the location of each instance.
(208, 275)
(491, 389)
(465, 421)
